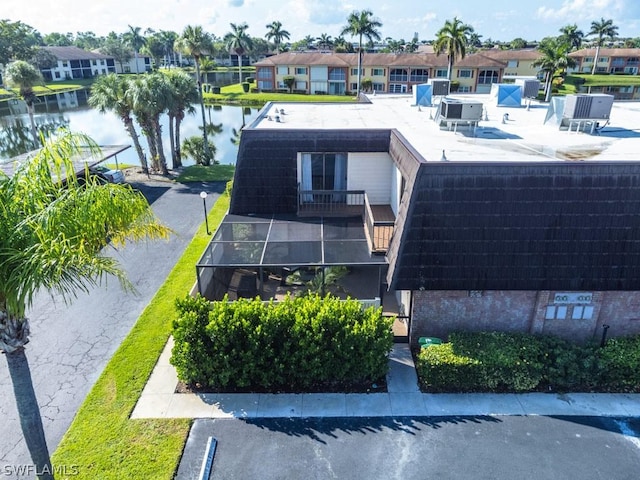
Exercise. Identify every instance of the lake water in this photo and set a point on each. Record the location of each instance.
(71, 110)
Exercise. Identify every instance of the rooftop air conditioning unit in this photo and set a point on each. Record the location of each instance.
(530, 87)
(439, 87)
(596, 106)
(452, 109)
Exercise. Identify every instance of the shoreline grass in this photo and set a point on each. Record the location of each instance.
(102, 442)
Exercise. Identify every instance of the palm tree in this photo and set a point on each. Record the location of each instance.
(452, 40)
(572, 35)
(53, 238)
(111, 93)
(362, 24)
(24, 77)
(151, 96)
(602, 29)
(238, 41)
(341, 45)
(195, 42)
(325, 42)
(553, 62)
(277, 34)
(168, 40)
(135, 41)
(184, 93)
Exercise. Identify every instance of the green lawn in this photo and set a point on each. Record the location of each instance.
(604, 80)
(201, 173)
(234, 95)
(102, 442)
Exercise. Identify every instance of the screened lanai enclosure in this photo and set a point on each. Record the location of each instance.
(270, 256)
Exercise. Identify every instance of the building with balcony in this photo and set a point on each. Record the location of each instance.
(74, 62)
(508, 224)
(337, 73)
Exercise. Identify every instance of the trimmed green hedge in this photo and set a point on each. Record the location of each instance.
(307, 343)
(495, 361)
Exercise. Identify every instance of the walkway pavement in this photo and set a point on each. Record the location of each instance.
(403, 398)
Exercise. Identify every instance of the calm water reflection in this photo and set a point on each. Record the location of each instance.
(107, 129)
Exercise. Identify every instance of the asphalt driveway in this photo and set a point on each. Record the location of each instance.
(71, 344)
(404, 448)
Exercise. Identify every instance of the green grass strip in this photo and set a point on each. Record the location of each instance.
(102, 442)
(210, 173)
(234, 95)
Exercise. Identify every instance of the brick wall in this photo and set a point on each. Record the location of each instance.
(438, 313)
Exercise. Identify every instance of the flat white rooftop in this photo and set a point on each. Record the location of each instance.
(523, 137)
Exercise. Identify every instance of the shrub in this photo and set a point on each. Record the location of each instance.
(300, 344)
(229, 188)
(618, 367)
(493, 361)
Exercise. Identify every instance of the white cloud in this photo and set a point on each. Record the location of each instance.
(582, 10)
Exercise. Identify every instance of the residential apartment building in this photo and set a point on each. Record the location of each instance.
(610, 60)
(613, 61)
(74, 62)
(337, 73)
(477, 231)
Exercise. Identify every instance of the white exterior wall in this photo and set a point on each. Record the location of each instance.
(396, 193)
(373, 173)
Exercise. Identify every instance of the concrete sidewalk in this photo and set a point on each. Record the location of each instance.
(403, 398)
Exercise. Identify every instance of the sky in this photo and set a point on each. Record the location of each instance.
(495, 19)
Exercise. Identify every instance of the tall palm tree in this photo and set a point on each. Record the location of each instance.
(362, 24)
(239, 42)
(24, 77)
(184, 93)
(195, 42)
(111, 93)
(136, 41)
(601, 29)
(572, 35)
(53, 238)
(168, 40)
(277, 34)
(553, 62)
(151, 97)
(452, 40)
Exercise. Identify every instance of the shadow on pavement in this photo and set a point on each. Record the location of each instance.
(316, 427)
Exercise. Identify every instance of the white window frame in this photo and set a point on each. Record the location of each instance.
(377, 72)
(465, 73)
(301, 70)
(441, 73)
(280, 70)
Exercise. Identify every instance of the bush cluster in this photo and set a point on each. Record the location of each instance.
(300, 344)
(508, 362)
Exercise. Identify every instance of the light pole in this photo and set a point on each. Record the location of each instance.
(203, 196)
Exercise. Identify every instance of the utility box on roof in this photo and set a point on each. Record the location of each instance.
(440, 87)
(530, 87)
(422, 94)
(595, 106)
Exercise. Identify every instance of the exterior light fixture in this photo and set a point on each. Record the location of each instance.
(203, 196)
